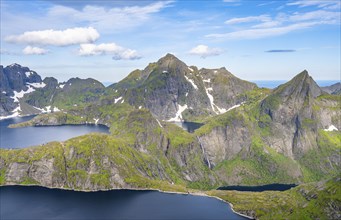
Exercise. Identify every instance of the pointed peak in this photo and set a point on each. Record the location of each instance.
(170, 61)
(168, 57)
(302, 83)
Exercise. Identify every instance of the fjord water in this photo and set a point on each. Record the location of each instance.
(30, 136)
(34, 202)
(20, 202)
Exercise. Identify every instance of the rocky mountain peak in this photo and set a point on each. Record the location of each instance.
(171, 61)
(300, 86)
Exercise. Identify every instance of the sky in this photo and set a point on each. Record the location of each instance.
(106, 40)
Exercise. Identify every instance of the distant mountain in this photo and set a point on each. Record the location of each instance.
(23, 92)
(173, 91)
(333, 89)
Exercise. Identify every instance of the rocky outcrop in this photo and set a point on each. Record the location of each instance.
(15, 79)
(334, 89)
(22, 92)
(171, 90)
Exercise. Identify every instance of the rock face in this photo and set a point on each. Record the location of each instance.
(22, 92)
(15, 79)
(334, 89)
(293, 118)
(171, 90)
(291, 123)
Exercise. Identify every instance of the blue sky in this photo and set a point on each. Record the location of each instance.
(106, 40)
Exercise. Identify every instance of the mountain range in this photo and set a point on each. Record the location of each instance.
(250, 136)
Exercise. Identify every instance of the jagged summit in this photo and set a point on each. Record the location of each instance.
(301, 85)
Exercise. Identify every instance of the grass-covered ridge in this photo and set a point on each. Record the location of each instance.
(319, 200)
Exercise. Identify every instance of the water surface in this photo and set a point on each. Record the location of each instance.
(31, 136)
(20, 202)
(189, 126)
(272, 187)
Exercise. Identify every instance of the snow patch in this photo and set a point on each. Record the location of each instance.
(192, 82)
(164, 71)
(186, 94)
(61, 85)
(122, 101)
(140, 107)
(18, 95)
(207, 80)
(235, 106)
(178, 115)
(215, 108)
(28, 73)
(55, 109)
(37, 85)
(190, 69)
(215, 71)
(3, 92)
(15, 113)
(96, 120)
(158, 122)
(331, 128)
(118, 99)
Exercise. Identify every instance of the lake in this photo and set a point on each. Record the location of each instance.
(30, 136)
(272, 187)
(33, 202)
(188, 126)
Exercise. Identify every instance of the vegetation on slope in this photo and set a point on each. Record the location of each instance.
(320, 200)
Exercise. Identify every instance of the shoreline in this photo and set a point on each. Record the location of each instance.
(142, 189)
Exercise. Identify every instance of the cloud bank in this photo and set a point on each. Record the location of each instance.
(118, 52)
(29, 50)
(56, 37)
(204, 51)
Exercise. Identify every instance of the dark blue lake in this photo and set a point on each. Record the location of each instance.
(30, 202)
(30, 136)
(269, 187)
(189, 126)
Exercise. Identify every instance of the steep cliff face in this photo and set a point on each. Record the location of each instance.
(174, 91)
(15, 82)
(334, 89)
(294, 113)
(277, 137)
(22, 92)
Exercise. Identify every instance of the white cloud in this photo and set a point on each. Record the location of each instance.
(278, 25)
(118, 52)
(248, 19)
(56, 37)
(262, 32)
(34, 51)
(318, 3)
(320, 15)
(104, 19)
(204, 51)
